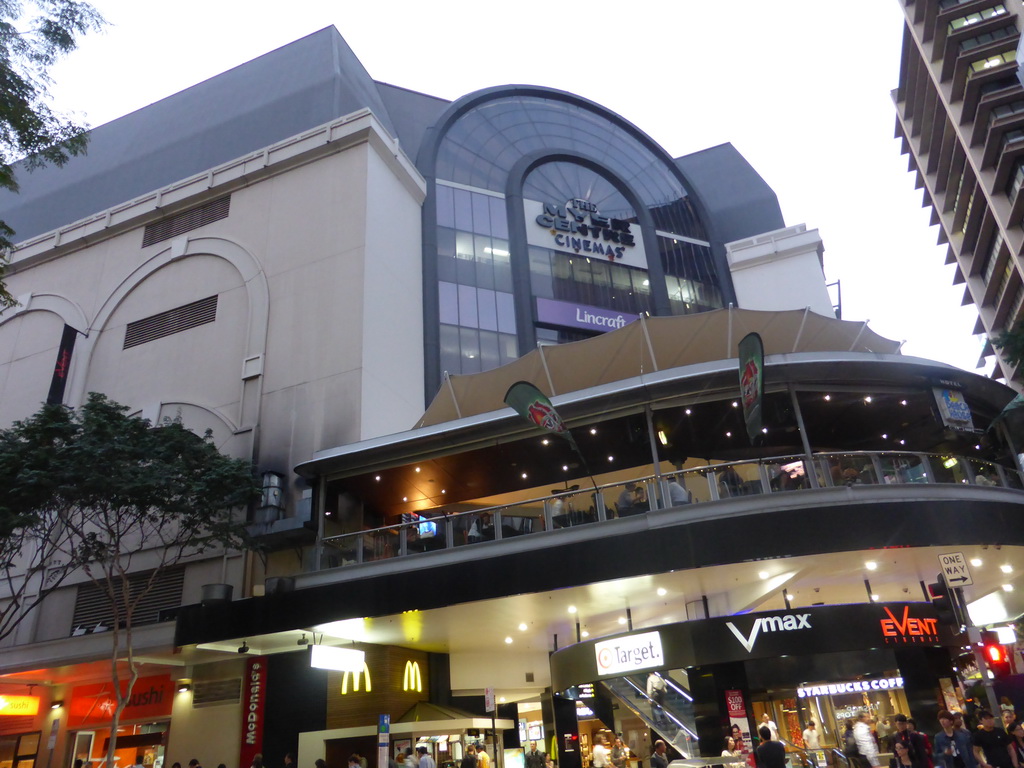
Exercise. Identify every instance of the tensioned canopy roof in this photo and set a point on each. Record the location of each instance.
(652, 344)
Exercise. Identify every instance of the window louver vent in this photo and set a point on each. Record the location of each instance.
(92, 609)
(186, 221)
(169, 322)
(212, 693)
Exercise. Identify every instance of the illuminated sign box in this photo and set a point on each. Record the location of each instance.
(629, 653)
(19, 705)
(337, 659)
(852, 686)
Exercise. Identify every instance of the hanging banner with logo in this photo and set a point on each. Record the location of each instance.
(751, 353)
(955, 412)
(254, 697)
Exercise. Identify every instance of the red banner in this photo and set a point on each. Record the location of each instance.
(152, 697)
(254, 696)
(736, 708)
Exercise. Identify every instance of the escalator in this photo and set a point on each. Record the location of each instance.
(673, 722)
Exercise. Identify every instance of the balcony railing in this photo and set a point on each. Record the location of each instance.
(716, 482)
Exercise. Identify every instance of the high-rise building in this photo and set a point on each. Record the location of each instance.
(960, 108)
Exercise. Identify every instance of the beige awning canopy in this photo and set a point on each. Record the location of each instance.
(650, 345)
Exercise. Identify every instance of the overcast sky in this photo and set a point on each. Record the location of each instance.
(800, 87)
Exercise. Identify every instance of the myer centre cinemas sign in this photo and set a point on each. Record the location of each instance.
(578, 227)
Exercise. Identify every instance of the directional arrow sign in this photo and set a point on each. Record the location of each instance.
(954, 566)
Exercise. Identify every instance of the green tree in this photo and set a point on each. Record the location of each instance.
(1010, 344)
(31, 41)
(122, 497)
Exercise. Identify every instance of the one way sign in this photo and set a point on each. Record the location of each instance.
(955, 569)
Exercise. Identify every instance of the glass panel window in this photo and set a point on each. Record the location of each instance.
(986, 37)
(448, 298)
(974, 18)
(983, 65)
(487, 310)
(445, 206)
(463, 210)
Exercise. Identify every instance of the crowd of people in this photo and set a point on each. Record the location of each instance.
(991, 744)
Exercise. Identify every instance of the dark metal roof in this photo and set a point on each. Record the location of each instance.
(280, 94)
(736, 197)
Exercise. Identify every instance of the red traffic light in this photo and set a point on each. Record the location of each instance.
(995, 654)
(996, 657)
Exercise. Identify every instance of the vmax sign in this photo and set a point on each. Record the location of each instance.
(770, 624)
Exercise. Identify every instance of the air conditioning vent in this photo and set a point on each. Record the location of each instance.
(186, 221)
(215, 693)
(93, 611)
(170, 322)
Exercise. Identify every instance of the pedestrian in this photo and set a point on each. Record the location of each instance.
(1017, 741)
(194, 763)
(866, 746)
(773, 729)
(469, 759)
(319, 763)
(810, 735)
(426, 761)
(770, 753)
(658, 759)
(992, 748)
(953, 747)
(599, 757)
(619, 754)
(534, 757)
(656, 693)
(912, 725)
(914, 742)
(257, 761)
(481, 755)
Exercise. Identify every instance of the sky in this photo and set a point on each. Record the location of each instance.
(800, 87)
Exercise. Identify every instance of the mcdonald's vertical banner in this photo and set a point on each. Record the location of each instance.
(383, 740)
(751, 354)
(254, 698)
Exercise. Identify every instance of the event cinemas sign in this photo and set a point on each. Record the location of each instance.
(578, 227)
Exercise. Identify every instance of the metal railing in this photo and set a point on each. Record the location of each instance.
(575, 507)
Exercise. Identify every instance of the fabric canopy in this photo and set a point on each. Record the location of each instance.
(649, 345)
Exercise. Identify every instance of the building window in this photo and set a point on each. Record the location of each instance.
(983, 65)
(967, 213)
(987, 37)
(945, 5)
(476, 310)
(1016, 179)
(991, 258)
(1012, 137)
(974, 18)
(1006, 110)
(19, 751)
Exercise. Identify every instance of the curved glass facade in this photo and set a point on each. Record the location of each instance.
(608, 230)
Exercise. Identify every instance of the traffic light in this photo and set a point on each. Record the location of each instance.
(942, 601)
(996, 657)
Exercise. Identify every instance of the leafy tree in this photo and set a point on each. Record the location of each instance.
(30, 43)
(127, 498)
(1010, 344)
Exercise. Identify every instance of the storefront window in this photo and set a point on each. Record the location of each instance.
(19, 751)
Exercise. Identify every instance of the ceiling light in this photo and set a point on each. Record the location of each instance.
(662, 591)
(545, 441)
(976, 562)
(443, 491)
(867, 399)
(735, 403)
(764, 430)
(662, 437)
(611, 458)
(871, 565)
(875, 598)
(903, 442)
(405, 498)
(524, 475)
(885, 436)
(565, 467)
(1007, 587)
(763, 575)
(789, 597)
(572, 609)
(522, 627)
(828, 397)
(508, 641)
(584, 633)
(377, 478)
(903, 402)
(501, 699)
(1006, 568)
(728, 434)
(688, 411)
(417, 469)
(622, 619)
(593, 430)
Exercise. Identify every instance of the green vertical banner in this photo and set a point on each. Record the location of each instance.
(751, 354)
(530, 403)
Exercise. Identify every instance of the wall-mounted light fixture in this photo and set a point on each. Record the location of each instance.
(337, 659)
(56, 703)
